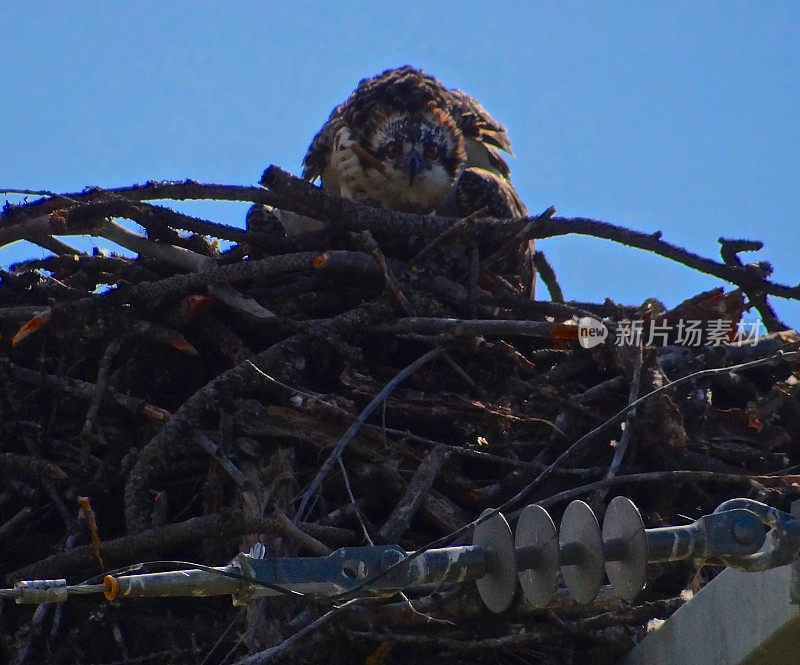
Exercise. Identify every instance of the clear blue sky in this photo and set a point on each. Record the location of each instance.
(679, 116)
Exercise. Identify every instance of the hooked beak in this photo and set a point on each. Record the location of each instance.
(415, 165)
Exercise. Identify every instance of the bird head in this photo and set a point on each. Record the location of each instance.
(420, 154)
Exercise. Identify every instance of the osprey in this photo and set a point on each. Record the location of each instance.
(403, 141)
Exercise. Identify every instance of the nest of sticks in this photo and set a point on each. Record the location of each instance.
(340, 375)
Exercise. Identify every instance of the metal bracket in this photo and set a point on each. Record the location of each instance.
(348, 567)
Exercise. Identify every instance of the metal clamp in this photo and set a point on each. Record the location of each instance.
(783, 538)
(41, 591)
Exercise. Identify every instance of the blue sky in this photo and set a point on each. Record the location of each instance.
(679, 116)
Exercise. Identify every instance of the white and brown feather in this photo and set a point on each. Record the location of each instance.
(407, 105)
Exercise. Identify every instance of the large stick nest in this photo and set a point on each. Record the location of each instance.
(340, 375)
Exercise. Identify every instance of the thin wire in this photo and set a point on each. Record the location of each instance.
(353, 500)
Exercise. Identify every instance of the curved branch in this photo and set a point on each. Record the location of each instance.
(152, 190)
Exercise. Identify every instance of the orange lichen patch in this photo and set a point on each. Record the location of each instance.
(31, 326)
(565, 332)
(196, 304)
(321, 261)
(178, 341)
(155, 412)
(753, 421)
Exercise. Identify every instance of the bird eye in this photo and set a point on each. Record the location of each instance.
(431, 151)
(393, 151)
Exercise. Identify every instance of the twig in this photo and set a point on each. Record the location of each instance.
(246, 270)
(86, 390)
(38, 226)
(421, 482)
(354, 503)
(177, 285)
(270, 654)
(204, 440)
(170, 442)
(291, 530)
(391, 282)
(30, 465)
(729, 249)
(8, 526)
(489, 327)
(530, 636)
(50, 489)
(21, 312)
(622, 444)
(548, 276)
(29, 192)
(511, 245)
(138, 545)
(362, 418)
(681, 475)
(180, 190)
(186, 259)
(54, 245)
(103, 371)
(459, 227)
(473, 283)
(34, 631)
(460, 371)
